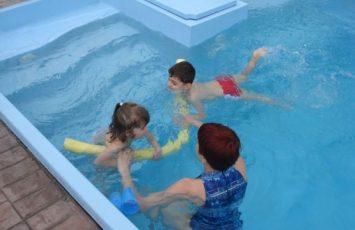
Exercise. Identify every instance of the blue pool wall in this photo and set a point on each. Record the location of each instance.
(36, 10)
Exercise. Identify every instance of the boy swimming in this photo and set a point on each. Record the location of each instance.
(181, 81)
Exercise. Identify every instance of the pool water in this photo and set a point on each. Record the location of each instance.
(300, 161)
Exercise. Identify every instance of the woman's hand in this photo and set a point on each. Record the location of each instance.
(142, 204)
(124, 161)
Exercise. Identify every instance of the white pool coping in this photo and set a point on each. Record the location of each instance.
(195, 9)
(187, 32)
(82, 190)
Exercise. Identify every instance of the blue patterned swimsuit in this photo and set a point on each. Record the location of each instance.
(224, 193)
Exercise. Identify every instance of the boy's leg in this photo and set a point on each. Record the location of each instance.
(243, 76)
(258, 97)
(239, 78)
(254, 96)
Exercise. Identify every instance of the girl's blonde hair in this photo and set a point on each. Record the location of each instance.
(125, 118)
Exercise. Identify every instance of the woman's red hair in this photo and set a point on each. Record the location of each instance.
(219, 145)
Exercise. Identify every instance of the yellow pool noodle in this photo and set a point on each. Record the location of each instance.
(76, 146)
(141, 154)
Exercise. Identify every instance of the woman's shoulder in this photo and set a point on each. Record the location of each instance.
(189, 188)
(240, 167)
(196, 190)
(189, 183)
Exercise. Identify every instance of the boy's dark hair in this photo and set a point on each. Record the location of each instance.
(184, 71)
(219, 145)
(125, 118)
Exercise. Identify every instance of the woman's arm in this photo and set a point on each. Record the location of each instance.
(184, 189)
(190, 189)
(124, 161)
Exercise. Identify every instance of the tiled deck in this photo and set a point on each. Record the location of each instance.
(30, 198)
(4, 3)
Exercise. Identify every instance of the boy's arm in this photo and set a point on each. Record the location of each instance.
(191, 120)
(199, 108)
(257, 54)
(154, 143)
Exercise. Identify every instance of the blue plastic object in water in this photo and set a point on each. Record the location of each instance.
(129, 204)
(116, 199)
(125, 202)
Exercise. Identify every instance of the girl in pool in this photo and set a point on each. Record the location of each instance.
(217, 191)
(129, 122)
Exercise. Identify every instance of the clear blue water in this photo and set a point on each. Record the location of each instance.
(300, 162)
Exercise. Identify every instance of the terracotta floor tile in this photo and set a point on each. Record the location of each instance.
(76, 223)
(2, 197)
(17, 171)
(82, 214)
(12, 156)
(27, 185)
(8, 216)
(37, 201)
(3, 130)
(29, 190)
(7, 142)
(4, 3)
(54, 214)
(20, 226)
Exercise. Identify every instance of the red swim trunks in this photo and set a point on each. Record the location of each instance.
(229, 86)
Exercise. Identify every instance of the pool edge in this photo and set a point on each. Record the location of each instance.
(80, 188)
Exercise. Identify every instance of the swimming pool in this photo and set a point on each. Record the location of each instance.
(300, 161)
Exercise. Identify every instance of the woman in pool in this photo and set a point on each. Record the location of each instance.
(217, 192)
